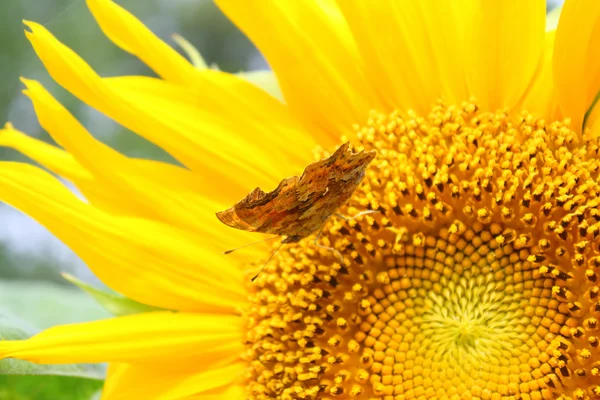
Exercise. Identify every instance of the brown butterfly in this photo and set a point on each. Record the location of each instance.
(299, 206)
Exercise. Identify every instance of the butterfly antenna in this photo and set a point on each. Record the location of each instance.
(366, 212)
(250, 244)
(265, 264)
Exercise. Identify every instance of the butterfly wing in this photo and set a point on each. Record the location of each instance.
(328, 184)
(299, 206)
(260, 211)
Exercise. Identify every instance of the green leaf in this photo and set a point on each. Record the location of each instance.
(10, 366)
(266, 80)
(44, 305)
(47, 388)
(113, 303)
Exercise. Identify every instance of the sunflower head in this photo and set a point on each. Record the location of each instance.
(476, 276)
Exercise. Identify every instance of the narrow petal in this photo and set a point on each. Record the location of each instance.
(64, 164)
(56, 160)
(540, 98)
(169, 194)
(576, 60)
(153, 263)
(503, 43)
(314, 58)
(411, 50)
(166, 337)
(202, 129)
(127, 32)
(159, 382)
(195, 57)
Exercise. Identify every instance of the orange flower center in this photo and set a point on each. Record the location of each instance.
(477, 278)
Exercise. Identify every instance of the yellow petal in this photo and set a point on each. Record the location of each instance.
(127, 32)
(311, 50)
(266, 155)
(103, 194)
(168, 194)
(229, 91)
(577, 59)
(166, 337)
(503, 42)
(62, 163)
(202, 129)
(411, 50)
(159, 382)
(233, 392)
(56, 160)
(150, 262)
(446, 49)
(540, 98)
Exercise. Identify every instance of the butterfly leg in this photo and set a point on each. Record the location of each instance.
(336, 252)
(366, 212)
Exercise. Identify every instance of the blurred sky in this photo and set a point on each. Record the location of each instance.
(27, 250)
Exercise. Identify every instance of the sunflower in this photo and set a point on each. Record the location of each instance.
(477, 277)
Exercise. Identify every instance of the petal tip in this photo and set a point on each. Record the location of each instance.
(27, 82)
(31, 25)
(4, 348)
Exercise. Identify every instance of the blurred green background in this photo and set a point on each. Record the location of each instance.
(33, 295)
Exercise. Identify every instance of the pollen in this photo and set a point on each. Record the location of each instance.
(477, 277)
